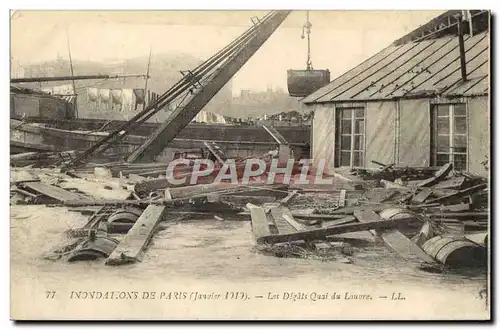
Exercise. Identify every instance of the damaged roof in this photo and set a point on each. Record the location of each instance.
(28, 91)
(427, 68)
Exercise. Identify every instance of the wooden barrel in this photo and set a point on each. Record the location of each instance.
(409, 229)
(304, 82)
(100, 247)
(456, 251)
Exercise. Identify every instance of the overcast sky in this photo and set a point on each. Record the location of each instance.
(340, 39)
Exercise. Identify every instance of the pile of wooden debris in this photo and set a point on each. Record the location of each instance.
(439, 220)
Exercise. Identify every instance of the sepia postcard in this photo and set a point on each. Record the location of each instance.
(250, 165)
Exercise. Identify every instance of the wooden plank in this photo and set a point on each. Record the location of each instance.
(217, 151)
(54, 192)
(288, 216)
(260, 223)
(452, 183)
(421, 196)
(392, 185)
(459, 194)
(280, 139)
(438, 176)
(338, 222)
(380, 195)
(351, 209)
(378, 163)
(133, 245)
(443, 192)
(102, 202)
(450, 208)
(322, 233)
(395, 239)
(284, 227)
(461, 215)
(188, 191)
(287, 199)
(342, 198)
(320, 217)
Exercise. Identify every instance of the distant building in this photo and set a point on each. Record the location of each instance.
(27, 103)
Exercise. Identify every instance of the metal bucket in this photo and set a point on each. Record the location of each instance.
(456, 251)
(301, 83)
(409, 229)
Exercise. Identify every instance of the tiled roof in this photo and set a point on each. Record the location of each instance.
(415, 69)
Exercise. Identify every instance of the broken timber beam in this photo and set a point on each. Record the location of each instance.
(438, 176)
(51, 191)
(337, 222)
(321, 233)
(422, 196)
(132, 247)
(215, 150)
(260, 222)
(287, 199)
(283, 146)
(452, 183)
(393, 185)
(395, 239)
(459, 194)
(280, 139)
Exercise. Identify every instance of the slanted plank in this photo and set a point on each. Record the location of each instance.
(343, 221)
(288, 216)
(394, 239)
(131, 248)
(422, 196)
(393, 185)
(351, 209)
(438, 176)
(461, 215)
(321, 233)
(450, 208)
(215, 150)
(321, 217)
(443, 192)
(280, 139)
(452, 183)
(284, 227)
(460, 194)
(54, 192)
(260, 223)
(288, 198)
(380, 195)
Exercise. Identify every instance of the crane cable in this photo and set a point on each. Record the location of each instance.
(307, 29)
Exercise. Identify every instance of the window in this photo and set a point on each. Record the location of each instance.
(449, 143)
(351, 137)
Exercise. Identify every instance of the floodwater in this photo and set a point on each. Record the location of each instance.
(218, 256)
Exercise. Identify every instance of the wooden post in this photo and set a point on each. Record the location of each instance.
(463, 67)
(72, 75)
(131, 248)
